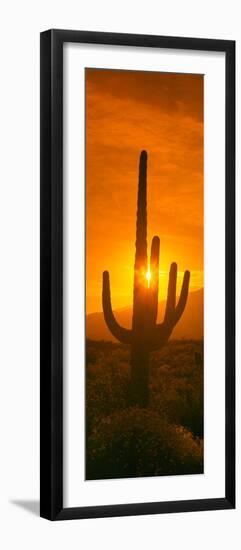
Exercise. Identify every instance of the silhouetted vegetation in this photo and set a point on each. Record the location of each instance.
(146, 335)
(165, 438)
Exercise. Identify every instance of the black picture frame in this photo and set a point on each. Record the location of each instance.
(51, 325)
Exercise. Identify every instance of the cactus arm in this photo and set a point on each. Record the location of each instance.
(154, 283)
(120, 333)
(155, 252)
(171, 293)
(173, 313)
(160, 336)
(183, 297)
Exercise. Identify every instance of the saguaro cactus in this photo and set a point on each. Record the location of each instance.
(145, 335)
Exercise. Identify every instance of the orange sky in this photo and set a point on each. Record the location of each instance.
(127, 111)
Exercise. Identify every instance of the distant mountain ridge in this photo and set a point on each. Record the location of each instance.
(190, 325)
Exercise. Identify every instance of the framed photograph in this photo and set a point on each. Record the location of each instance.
(137, 274)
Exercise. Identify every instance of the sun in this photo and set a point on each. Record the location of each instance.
(148, 277)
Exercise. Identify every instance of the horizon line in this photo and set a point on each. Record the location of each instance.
(130, 305)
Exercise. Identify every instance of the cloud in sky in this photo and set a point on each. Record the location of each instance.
(127, 111)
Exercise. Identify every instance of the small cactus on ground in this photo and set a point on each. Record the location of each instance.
(146, 335)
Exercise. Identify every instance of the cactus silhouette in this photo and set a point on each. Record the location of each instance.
(145, 335)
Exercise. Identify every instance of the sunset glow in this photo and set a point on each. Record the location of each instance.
(144, 274)
(127, 111)
(148, 276)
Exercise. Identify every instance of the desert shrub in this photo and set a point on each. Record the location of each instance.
(176, 382)
(106, 387)
(176, 385)
(138, 442)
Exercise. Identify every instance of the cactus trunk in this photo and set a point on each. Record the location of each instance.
(145, 335)
(138, 390)
(138, 393)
